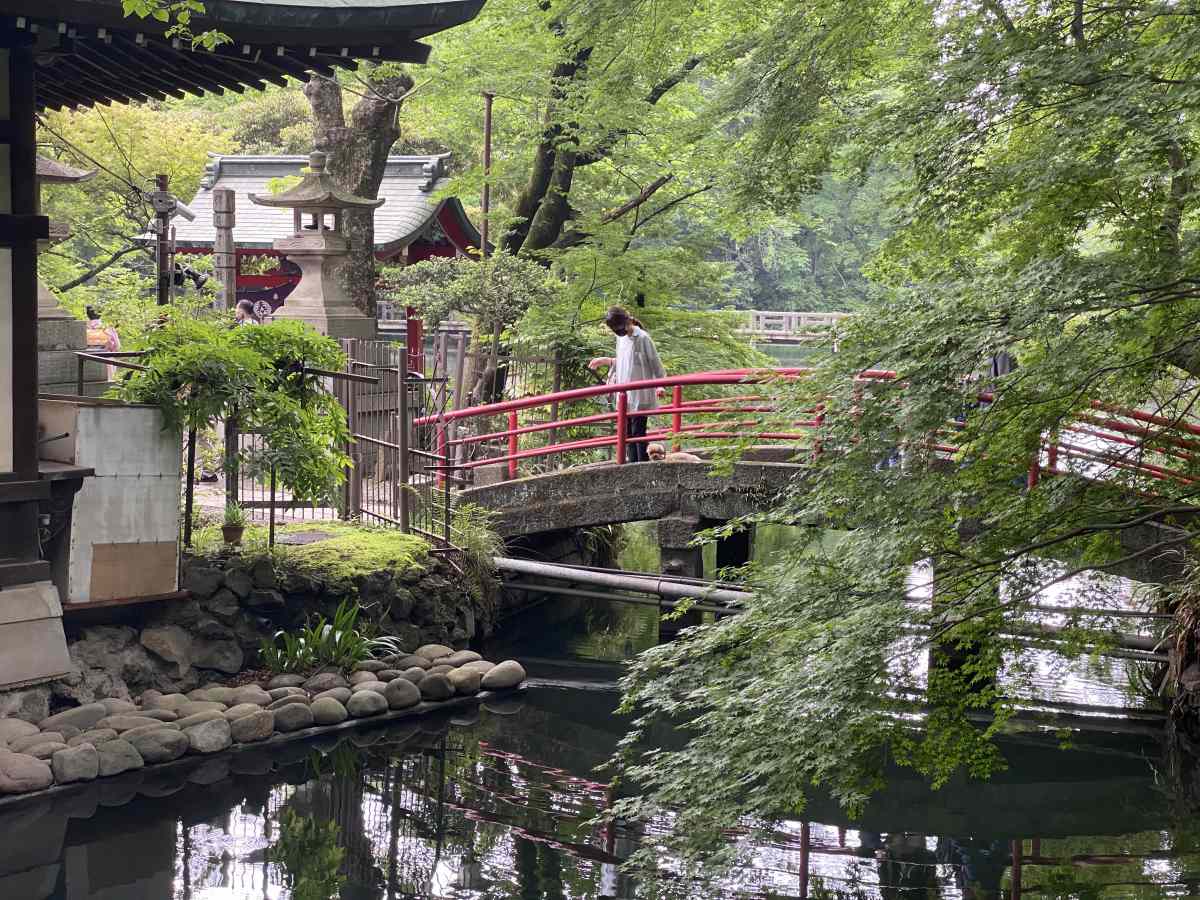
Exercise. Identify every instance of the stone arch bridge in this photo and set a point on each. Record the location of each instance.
(683, 498)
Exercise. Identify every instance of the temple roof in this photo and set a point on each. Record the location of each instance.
(410, 211)
(316, 190)
(51, 171)
(90, 51)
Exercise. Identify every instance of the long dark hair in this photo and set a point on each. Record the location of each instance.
(617, 315)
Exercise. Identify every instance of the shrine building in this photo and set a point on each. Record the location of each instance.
(412, 224)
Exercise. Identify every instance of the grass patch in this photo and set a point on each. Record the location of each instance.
(350, 551)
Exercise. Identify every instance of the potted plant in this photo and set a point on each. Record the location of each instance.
(234, 525)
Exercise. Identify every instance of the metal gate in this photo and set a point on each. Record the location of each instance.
(399, 472)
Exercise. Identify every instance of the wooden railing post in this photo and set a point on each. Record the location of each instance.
(622, 420)
(513, 444)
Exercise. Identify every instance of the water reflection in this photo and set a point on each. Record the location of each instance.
(502, 805)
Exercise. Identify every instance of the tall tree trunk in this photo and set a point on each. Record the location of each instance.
(358, 149)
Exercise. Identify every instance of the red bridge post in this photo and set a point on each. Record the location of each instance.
(622, 419)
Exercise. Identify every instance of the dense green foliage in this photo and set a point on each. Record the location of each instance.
(1047, 210)
(199, 370)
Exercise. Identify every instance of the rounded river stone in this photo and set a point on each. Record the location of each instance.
(198, 718)
(370, 665)
(325, 681)
(436, 687)
(14, 728)
(434, 651)
(507, 674)
(81, 763)
(124, 723)
(376, 686)
(118, 756)
(293, 717)
(327, 710)
(20, 773)
(407, 662)
(258, 726)
(161, 745)
(163, 715)
(340, 694)
(414, 674)
(465, 681)
(289, 700)
(117, 707)
(386, 675)
(47, 750)
(22, 744)
(480, 665)
(81, 717)
(209, 737)
(280, 693)
(242, 709)
(366, 703)
(461, 658)
(250, 694)
(287, 680)
(94, 737)
(402, 693)
(440, 669)
(147, 729)
(191, 707)
(360, 677)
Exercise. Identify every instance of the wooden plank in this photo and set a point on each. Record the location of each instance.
(133, 569)
(70, 609)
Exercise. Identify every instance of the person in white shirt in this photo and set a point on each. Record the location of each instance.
(636, 360)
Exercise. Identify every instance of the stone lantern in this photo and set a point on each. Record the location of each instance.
(318, 245)
(60, 334)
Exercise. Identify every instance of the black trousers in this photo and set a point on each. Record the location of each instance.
(635, 427)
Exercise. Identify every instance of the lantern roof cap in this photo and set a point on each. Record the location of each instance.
(316, 191)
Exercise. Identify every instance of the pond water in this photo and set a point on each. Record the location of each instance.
(500, 802)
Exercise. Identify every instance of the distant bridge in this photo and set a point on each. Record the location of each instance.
(790, 327)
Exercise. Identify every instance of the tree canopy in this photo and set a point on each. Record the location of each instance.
(1046, 210)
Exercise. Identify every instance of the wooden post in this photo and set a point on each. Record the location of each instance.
(224, 251)
(1017, 847)
(189, 493)
(162, 247)
(488, 99)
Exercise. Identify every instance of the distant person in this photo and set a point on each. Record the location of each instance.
(244, 314)
(636, 360)
(102, 337)
(658, 453)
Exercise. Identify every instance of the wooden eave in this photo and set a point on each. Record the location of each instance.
(88, 52)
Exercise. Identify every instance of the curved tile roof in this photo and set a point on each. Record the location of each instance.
(408, 189)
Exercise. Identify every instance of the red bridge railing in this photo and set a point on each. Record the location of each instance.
(1106, 441)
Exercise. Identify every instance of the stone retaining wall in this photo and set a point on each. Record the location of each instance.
(111, 737)
(176, 645)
